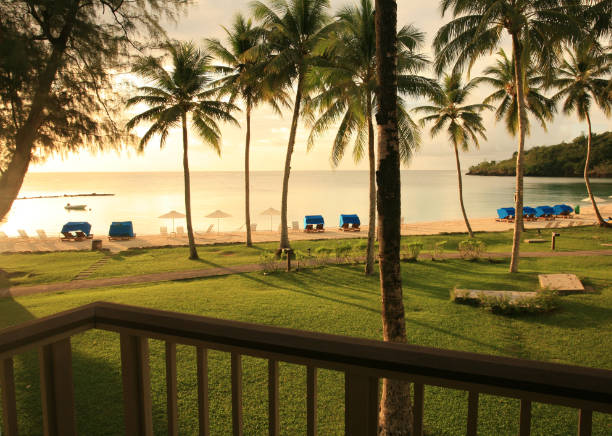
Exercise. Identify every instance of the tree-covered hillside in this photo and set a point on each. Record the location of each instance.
(561, 160)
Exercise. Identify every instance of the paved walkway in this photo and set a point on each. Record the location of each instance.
(19, 291)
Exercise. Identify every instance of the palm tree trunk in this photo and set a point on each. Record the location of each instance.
(284, 236)
(460, 184)
(14, 174)
(600, 220)
(369, 266)
(193, 253)
(395, 405)
(247, 194)
(522, 123)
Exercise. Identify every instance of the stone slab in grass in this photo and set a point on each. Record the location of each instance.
(477, 295)
(535, 241)
(561, 283)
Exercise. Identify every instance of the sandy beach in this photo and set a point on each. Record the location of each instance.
(53, 243)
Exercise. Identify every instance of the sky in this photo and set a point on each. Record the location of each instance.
(270, 132)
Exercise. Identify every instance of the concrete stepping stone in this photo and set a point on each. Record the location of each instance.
(535, 241)
(563, 284)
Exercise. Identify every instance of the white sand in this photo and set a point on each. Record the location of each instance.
(422, 228)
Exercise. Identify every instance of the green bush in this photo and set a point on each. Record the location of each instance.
(269, 262)
(438, 249)
(545, 301)
(471, 249)
(412, 251)
(343, 252)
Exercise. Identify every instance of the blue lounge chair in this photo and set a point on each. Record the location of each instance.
(314, 223)
(349, 223)
(505, 214)
(82, 230)
(563, 211)
(121, 230)
(545, 212)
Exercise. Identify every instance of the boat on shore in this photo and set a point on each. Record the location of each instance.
(75, 206)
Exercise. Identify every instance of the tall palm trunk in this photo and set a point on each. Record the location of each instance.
(522, 123)
(395, 406)
(600, 220)
(14, 174)
(460, 184)
(193, 253)
(369, 266)
(284, 236)
(247, 194)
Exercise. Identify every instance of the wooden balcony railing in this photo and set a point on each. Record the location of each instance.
(364, 363)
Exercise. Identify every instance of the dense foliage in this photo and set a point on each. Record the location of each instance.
(561, 160)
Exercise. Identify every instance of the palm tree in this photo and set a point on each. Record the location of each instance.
(463, 123)
(536, 29)
(582, 80)
(346, 80)
(501, 77)
(395, 404)
(174, 95)
(243, 79)
(293, 29)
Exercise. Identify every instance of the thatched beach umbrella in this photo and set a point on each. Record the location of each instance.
(272, 212)
(218, 214)
(172, 214)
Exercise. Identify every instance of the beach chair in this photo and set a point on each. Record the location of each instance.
(42, 235)
(80, 235)
(254, 227)
(3, 236)
(562, 211)
(319, 228)
(180, 231)
(344, 227)
(295, 226)
(309, 228)
(505, 215)
(23, 234)
(210, 227)
(356, 228)
(67, 237)
(163, 231)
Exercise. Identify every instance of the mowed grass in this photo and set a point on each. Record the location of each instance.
(333, 299)
(53, 267)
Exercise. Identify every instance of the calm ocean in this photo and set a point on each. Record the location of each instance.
(142, 197)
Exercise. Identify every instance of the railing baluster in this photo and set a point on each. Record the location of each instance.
(237, 394)
(171, 395)
(361, 405)
(585, 422)
(472, 419)
(417, 409)
(136, 376)
(9, 402)
(525, 419)
(273, 414)
(57, 389)
(203, 415)
(311, 401)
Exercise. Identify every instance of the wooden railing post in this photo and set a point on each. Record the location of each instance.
(171, 395)
(9, 402)
(525, 419)
(417, 409)
(203, 415)
(361, 405)
(472, 418)
(237, 394)
(585, 422)
(57, 389)
(273, 403)
(136, 376)
(311, 401)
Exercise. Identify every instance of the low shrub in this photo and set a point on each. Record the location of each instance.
(545, 301)
(437, 249)
(412, 251)
(343, 253)
(269, 262)
(471, 249)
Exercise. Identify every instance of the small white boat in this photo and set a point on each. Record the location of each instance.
(75, 206)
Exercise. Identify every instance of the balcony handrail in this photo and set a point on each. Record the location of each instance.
(569, 385)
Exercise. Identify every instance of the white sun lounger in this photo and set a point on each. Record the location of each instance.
(23, 234)
(42, 235)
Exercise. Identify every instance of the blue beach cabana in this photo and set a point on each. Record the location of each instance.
(314, 223)
(349, 222)
(563, 210)
(529, 212)
(76, 230)
(544, 212)
(121, 230)
(505, 214)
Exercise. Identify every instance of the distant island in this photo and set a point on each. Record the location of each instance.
(560, 160)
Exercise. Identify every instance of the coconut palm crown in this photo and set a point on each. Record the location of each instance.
(501, 78)
(173, 96)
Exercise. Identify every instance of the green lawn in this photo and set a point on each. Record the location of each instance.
(53, 267)
(333, 299)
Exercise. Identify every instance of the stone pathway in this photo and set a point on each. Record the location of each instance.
(92, 268)
(239, 269)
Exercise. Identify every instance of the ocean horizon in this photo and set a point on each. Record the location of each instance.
(143, 196)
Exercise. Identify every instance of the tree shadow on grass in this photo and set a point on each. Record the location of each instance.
(98, 391)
